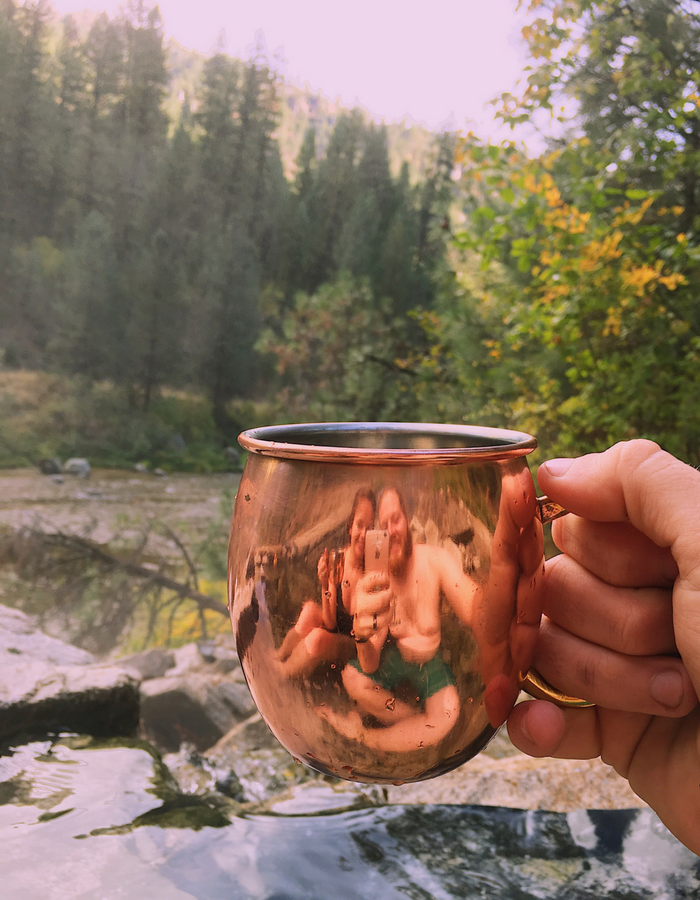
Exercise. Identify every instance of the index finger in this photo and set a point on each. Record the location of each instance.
(615, 551)
(633, 481)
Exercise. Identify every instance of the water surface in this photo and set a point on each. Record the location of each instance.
(81, 819)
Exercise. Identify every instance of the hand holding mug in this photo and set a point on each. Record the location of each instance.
(622, 626)
(432, 633)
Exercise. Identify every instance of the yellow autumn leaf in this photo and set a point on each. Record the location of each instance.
(672, 281)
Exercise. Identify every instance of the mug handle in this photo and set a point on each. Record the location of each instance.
(533, 682)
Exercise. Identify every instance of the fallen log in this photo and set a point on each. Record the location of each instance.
(91, 550)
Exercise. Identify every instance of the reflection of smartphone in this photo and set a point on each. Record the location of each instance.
(377, 551)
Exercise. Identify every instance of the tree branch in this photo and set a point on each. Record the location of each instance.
(93, 551)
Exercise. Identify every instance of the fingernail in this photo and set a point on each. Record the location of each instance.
(525, 730)
(557, 467)
(667, 688)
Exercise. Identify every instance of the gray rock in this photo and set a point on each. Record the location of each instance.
(152, 663)
(179, 709)
(90, 494)
(227, 665)
(224, 656)
(142, 468)
(77, 466)
(237, 697)
(188, 659)
(50, 466)
(251, 736)
(48, 686)
(221, 652)
(161, 473)
(42, 699)
(207, 649)
(21, 642)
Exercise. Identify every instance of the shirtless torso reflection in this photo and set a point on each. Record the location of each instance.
(404, 604)
(325, 632)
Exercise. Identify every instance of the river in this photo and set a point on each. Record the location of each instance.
(84, 821)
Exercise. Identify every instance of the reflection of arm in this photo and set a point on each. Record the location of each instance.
(328, 589)
(458, 588)
(412, 732)
(421, 730)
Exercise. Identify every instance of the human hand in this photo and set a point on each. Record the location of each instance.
(373, 610)
(622, 626)
(323, 570)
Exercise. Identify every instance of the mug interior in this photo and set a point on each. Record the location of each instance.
(386, 442)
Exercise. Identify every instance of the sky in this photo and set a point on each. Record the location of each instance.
(437, 62)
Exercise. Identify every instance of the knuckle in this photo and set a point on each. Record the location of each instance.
(635, 452)
(587, 671)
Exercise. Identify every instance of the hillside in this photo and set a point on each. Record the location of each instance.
(300, 108)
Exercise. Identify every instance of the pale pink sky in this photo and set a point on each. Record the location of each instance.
(437, 61)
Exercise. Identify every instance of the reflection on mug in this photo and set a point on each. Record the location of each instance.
(507, 623)
(399, 678)
(324, 631)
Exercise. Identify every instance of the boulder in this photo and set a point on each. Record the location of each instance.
(221, 652)
(41, 699)
(198, 699)
(187, 659)
(211, 657)
(237, 697)
(50, 466)
(187, 709)
(21, 641)
(49, 686)
(177, 696)
(152, 663)
(78, 467)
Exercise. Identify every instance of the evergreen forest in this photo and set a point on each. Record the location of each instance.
(168, 277)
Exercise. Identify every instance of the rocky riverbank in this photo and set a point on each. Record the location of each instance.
(193, 707)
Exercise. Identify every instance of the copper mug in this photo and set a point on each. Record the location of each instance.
(385, 591)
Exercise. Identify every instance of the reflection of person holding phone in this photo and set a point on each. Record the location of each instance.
(325, 632)
(405, 603)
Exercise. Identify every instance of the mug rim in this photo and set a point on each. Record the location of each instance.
(278, 441)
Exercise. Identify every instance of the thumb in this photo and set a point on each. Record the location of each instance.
(637, 482)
